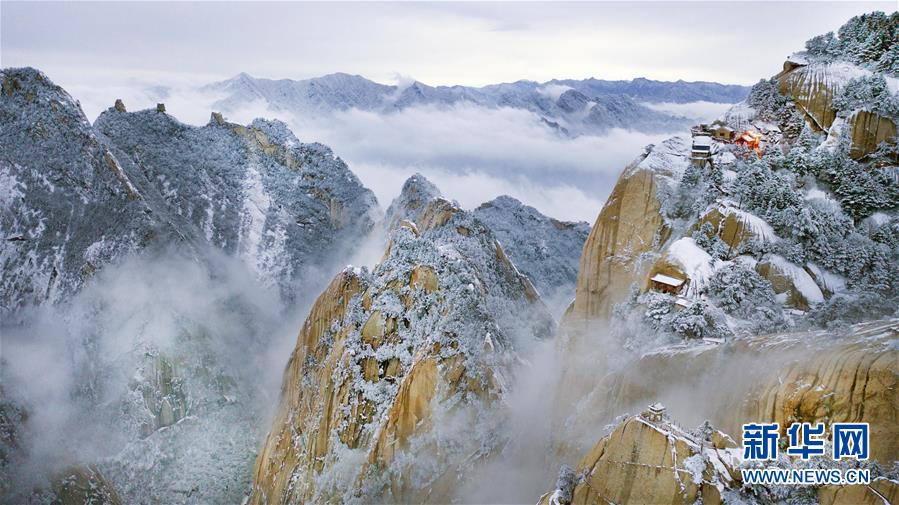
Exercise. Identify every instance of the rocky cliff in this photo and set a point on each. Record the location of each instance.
(630, 224)
(544, 249)
(813, 87)
(706, 281)
(811, 376)
(77, 197)
(648, 458)
(416, 194)
(395, 390)
(159, 252)
(284, 207)
(68, 203)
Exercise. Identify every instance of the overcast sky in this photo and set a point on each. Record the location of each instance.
(80, 44)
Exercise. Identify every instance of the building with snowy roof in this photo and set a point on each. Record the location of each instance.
(702, 149)
(666, 283)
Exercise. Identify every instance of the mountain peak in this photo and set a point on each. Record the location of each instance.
(417, 192)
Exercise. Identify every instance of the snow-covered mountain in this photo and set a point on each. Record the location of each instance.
(743, 271)
(396, 389)
(544, 249)
(587, 106)
(749, 271)
(286, 208)
(158, 260)
(69, 204)
(78, 196)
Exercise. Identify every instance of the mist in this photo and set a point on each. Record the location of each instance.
(82, 373)
(701, 112)
(473, 153)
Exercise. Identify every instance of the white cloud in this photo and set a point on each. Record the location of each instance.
(553, 91)
(475, 154)
(699, 111)
(472, 153)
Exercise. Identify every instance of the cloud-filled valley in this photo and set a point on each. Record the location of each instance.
(474, 153)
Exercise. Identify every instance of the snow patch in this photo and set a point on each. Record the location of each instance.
(256, 205)
(553, 91)
(697, 263)
(801, 279)
(828, 280)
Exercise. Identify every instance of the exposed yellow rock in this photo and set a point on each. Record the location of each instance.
(646, 462)
(438, 212)
(731, 225)
(410, 411)
(258, 140)
(813, 87)
(826, 377)
(626, 227)
(879, 492)
(785, 276)
(297, 438)
(383, 358)
(424, 277)
(514, 276)
(867, 131)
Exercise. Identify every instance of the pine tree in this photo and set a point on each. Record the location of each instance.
(871, 49)
(822, 46)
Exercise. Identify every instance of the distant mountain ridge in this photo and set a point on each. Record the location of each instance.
(579, 106)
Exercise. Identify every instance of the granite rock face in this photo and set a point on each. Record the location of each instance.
(630, 224)
(827, 376)
(404, 364)
(813, 87)
(135, 232)
(646, 459)
(68, 203)
(414, 198)
(544, 249)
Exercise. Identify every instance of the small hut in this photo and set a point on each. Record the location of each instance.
(160, 107)
(724, 132)
(666, 283)
(655, 413)
(702, 149)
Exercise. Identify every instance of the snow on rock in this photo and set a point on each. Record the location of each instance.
(696, 263)
(544, 249)
(630, 224)
(791, 279)
(78, 202)
(829, 282)
(63, 194)
(650, 460)
(283, 206)
(812, 375)
(668, 159)
(417, 192)
(735, 226)
(404, 364)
